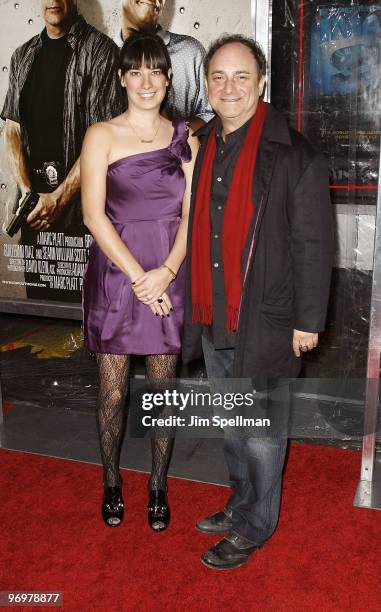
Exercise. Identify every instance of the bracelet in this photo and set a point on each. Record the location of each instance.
(174, 275)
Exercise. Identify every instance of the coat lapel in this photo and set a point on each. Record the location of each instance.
(275, 134)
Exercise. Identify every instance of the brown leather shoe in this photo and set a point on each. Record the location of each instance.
(229, 553)
(220, 522)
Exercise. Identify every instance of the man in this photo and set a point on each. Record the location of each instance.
(61, 81)
(187, 96)
(258, 275)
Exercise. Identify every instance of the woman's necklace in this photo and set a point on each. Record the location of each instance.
(144, 140)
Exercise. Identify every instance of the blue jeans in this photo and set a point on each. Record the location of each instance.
(255, 462)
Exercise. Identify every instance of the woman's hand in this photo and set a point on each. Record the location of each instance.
(162, 306)
(150, 286)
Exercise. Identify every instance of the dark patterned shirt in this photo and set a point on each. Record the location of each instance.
(92, 89)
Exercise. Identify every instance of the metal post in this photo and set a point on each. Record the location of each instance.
(368, 492)
(261, 18)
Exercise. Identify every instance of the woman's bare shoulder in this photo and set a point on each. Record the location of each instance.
(98, 141)
(98, 133)
(104, 130)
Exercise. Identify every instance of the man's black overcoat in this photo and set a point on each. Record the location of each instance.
(287, 259)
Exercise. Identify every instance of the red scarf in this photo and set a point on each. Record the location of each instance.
(237, 217)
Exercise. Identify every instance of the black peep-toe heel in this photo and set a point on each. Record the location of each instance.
(113, 505)
(158, 510)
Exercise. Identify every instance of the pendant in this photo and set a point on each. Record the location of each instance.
(146, 141)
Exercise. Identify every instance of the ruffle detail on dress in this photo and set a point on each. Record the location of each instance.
(179, 146)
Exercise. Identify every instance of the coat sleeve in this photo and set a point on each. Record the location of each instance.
(311, 220)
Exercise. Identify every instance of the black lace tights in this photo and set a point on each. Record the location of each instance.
(111, 413)
(159, 369)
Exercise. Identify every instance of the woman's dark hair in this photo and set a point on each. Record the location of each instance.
(250, 43)
(147, 47)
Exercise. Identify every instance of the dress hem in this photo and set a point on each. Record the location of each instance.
(143, 354)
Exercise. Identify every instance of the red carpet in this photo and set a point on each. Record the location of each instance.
(325, 554)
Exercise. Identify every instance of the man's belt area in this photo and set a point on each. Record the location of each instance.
(46, 177)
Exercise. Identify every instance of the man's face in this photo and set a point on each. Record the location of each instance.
(142, 14)
(233, 84)
(56, 12)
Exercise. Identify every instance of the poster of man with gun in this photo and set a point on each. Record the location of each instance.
(53, 87)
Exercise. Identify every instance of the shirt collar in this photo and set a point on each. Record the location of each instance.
(164, 35)
(118, 39)
(205, 129)
(73, 33)
(235, 136)
(275, 128)
(77, 27)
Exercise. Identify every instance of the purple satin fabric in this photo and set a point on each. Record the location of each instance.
(144, 201)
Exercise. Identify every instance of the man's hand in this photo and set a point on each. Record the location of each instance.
(304, 341)
(50, 205)
(46, 212)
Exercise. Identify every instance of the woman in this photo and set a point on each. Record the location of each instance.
(136, 177)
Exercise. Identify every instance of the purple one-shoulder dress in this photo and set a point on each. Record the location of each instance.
(144, 201)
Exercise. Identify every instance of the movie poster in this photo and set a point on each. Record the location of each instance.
(45, 261)
(330, 56)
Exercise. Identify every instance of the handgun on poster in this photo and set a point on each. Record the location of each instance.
(27, 204)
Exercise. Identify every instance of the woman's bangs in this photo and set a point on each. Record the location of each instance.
(145, 52)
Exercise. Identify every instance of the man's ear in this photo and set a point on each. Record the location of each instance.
(262, 85)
